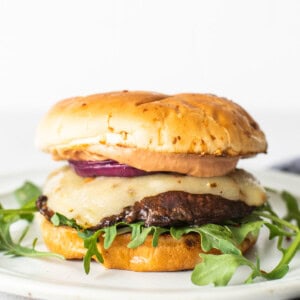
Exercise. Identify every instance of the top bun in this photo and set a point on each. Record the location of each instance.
(93, 127)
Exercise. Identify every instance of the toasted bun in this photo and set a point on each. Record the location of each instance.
(169, 255)
(153, 132)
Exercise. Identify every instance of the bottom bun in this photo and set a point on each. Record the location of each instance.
(169, 255)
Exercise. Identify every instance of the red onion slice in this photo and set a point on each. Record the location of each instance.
(109, 168)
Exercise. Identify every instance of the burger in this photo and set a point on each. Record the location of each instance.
(145, 174)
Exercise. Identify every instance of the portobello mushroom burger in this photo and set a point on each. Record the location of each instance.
(147, 178)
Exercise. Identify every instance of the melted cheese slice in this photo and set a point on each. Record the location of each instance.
(88, 200)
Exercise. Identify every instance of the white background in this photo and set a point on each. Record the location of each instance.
(245, 50)
(248, 51)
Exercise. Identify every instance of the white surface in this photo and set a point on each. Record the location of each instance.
(55, 279)
(244, 50)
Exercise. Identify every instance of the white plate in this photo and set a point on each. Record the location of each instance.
(50, 278)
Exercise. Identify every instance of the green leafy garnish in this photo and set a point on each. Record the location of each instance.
(218, 270)
(293, 212)
(157, 232)
(250, 224)
(26, 196)
(59, 220)
(90, 243)
(212, 236)
(218, 237)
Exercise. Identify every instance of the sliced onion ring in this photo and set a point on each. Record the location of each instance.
(109, 168)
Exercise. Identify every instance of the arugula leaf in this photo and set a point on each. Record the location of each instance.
(26, 195)
(110, 234)
(217, 269)
(58, 219)
(277, 231)
(212, 236)
(135, 230)
(156, 234)
(278, 272)
(178, 232)
(240, 231)
(293, 212)
(218, 237)
(90, 242)
(140, 238)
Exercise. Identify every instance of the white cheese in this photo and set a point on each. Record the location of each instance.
(88, 200)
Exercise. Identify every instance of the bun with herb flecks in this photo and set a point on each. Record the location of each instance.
(195, 134)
